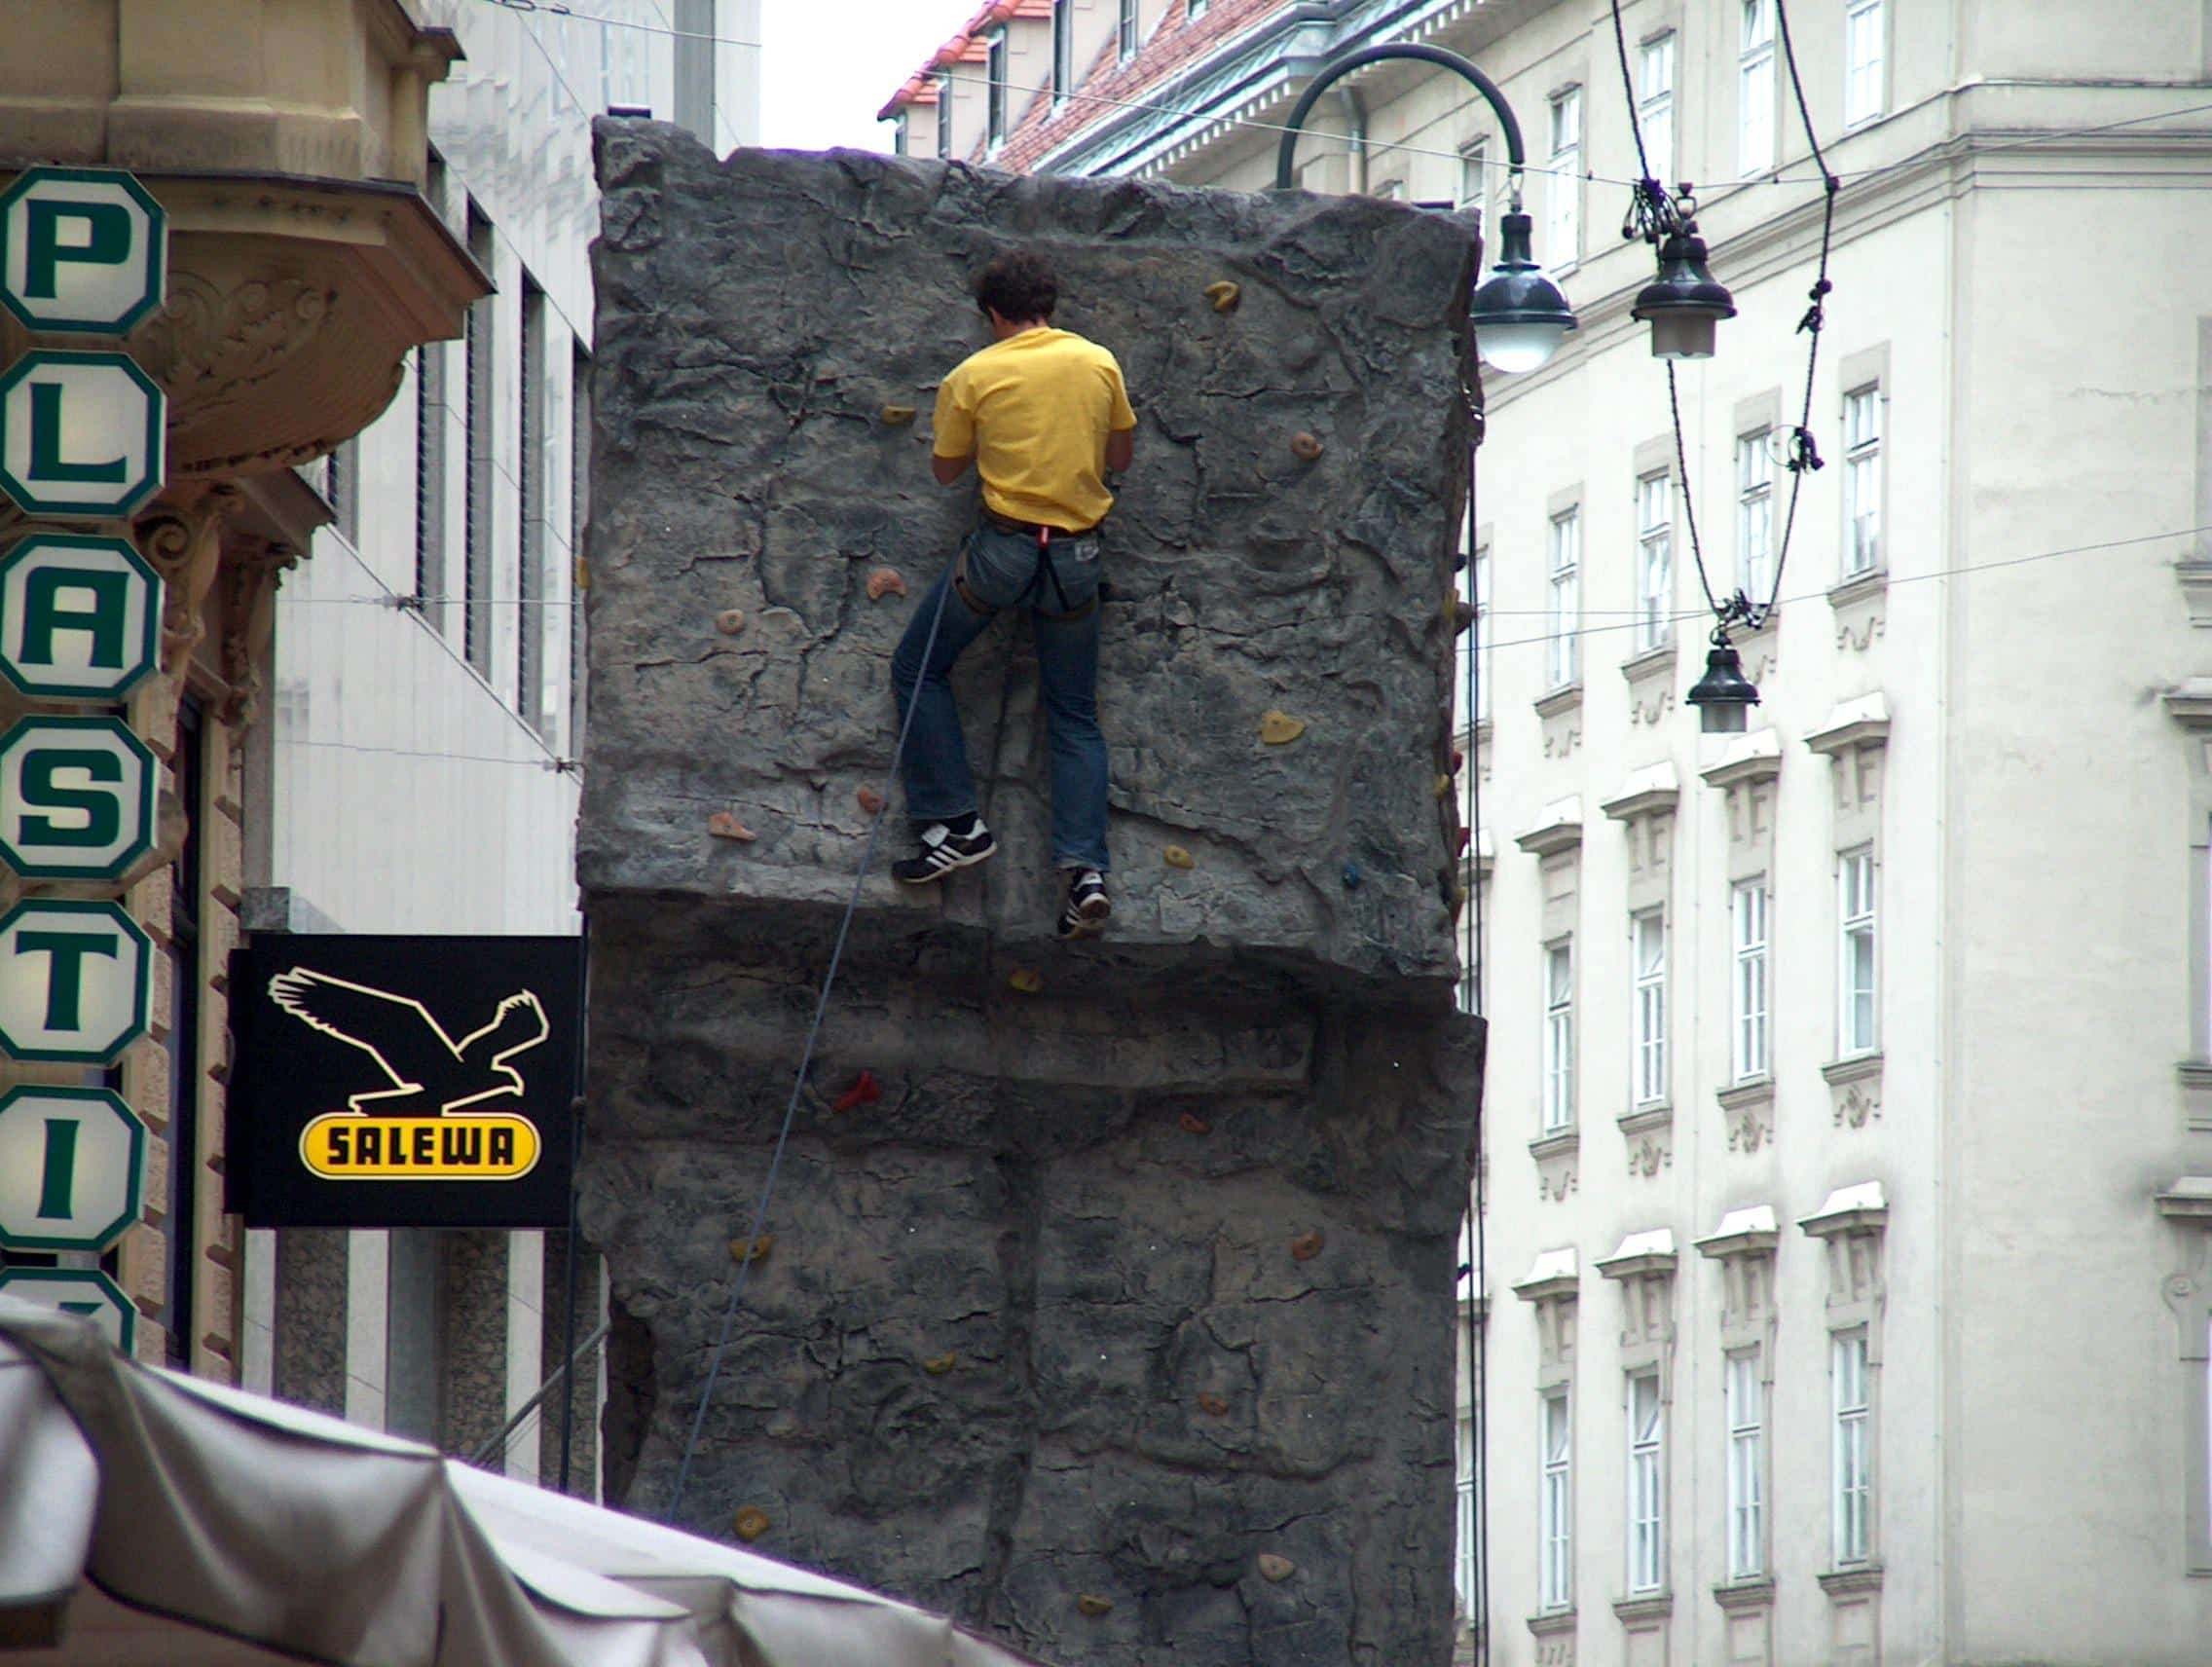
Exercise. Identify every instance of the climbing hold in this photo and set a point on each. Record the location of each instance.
(937, 1365)
(1305, 446)
(1192, 1124)
(1225, 295)
(1459, 760)
(897, 416)
(1092, 1605)
(866, 1091)
(1274, 1568)
(870, 800)
(1026, 980)
(1463, 614)
(883, 582)
(1307, 1246)
(1443, 785)
(723, 826)
(1351, 877)
(731, 621)
(1278, 728)
(1175, 857)
(754, 1250)
(1466, 836)
(751, 1523)
(1212, 1405)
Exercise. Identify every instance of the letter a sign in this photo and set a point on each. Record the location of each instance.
(80, 618)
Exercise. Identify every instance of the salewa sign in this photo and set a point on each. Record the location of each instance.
(404, 1082)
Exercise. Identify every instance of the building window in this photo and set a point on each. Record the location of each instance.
(1466, 1576)
(943, 117)
(1562, 232)
(898, 130)
(1861, 481)
(530, 497)
(1389, 190)
(1862, 61)
(1564, 612)
(1648, 947)
(1748, 1006)
(1747, 1466)
(1126, 32)
(1483, 630)
(1854, 1458)
(1555, 1511)
(1558, 1037)
(1755, 88)
(477, 351)
(579, 517)
(1654, 561)
(1655, 105)
(1474, 181)
(1063, 51)
(1198, 9)
(1854, 977)
(995, 69)
(1646, 1481)
(1754, 515)
(431, 479)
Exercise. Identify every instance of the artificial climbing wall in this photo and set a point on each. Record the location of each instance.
(1109, 1300)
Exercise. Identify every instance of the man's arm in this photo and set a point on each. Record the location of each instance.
(1121, 446)
(949, 469)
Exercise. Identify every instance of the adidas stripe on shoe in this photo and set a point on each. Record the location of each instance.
(1087, 907)
(943, 852)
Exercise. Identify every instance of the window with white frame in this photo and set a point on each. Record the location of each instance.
(995, 69)
(1563, 610)
(1466, 1579)
(1755, 514)
(1474, 182)
(1474, 656)
(1654, 561)
(1861, 481)
(1558, 1037)
(1853, 1470)
(1198, 9)
(1563, 191)
(1855, 975)
(1862, 61)
(1746, 1411)
(1655, 105)
(1755, 88)
(1647, 948)
(1647, 1485)
(943, 116)
(1063, 51)
(1389, 190)
(1748, 1029)
(1555, 1507)
(1126, 35)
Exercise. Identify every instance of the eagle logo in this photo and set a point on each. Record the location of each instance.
(431, 1073)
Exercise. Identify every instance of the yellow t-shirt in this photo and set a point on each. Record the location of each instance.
(1035, 410)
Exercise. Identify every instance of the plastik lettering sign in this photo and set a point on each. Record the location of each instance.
(404, 1082)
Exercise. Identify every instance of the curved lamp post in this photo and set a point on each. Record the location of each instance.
(1520, 315)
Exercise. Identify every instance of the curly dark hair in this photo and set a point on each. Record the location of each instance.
(1018, 287)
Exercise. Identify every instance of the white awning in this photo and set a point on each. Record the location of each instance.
(160, 1519)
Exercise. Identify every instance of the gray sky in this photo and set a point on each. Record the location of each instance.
(827, 66)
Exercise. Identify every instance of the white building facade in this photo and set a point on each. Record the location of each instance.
(1848, 1252)
(421, 764)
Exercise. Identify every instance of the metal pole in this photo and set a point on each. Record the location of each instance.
(498, 1442)
(1286, 154)
(575, 1163)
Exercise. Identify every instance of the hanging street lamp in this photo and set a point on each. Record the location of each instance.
(1684, 303)
(1520, 315)
(1724, 696)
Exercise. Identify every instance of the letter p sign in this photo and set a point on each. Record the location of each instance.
(81, 249)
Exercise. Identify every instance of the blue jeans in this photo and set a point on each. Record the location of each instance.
(1003, 571)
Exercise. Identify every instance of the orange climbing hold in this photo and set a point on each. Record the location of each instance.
(883, 582)
(1278, 728)
(1212, 1405)
(723, 826)
(1192, 1124)
(731, 621)
(756, 1250)
(1305, 446)
(1307, 1246)
(937, 1365)
(1026, 979)
(870, 800)
(866, 1091)
(751, 1523)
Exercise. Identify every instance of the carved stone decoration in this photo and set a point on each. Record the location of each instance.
(212, 347)
(1561, 739)
(1751, 1126)
(1651, 709)
(183, 539)
(1649, 1155)
(1553, 1181)
(251, 571)
(1859, 637)
(1856, 1105)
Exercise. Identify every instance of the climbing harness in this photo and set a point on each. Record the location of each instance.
(1045, 568)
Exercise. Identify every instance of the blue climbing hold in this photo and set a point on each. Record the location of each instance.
(1353, 876)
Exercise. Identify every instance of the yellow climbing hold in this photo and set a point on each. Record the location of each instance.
(937, 1365)
(1225, 295)
(1092, 1605)
(1175, 857)
(897, 416)
(1443, 785)
(751, 1523)
(1027, 980)
(740, 1250)
(1278, 728)
(1274, 1568)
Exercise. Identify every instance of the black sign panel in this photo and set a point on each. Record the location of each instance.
(403, 1082)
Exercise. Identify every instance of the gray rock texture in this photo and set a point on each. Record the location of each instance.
(1134, 1274)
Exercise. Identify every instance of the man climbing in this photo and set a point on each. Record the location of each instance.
(1043, 417)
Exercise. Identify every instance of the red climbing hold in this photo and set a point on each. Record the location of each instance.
(866, 1091)
(870, 800)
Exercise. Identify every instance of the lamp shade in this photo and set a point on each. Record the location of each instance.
(1724, 696)
(1520, 315)
(1684, 303)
